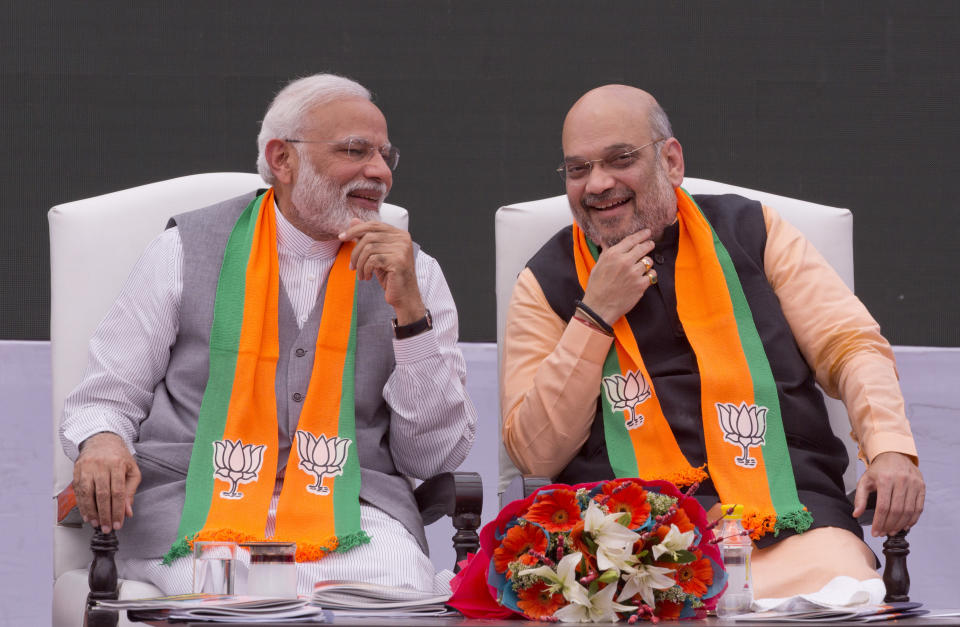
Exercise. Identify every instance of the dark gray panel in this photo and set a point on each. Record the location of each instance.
(852, 104)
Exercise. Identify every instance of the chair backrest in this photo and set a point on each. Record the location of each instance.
(94, 243)
(522, 228)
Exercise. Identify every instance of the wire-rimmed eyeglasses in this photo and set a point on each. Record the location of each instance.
(579, 168)
(357, 149)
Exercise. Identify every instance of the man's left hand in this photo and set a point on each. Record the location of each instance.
(900, 493)
(386, 252)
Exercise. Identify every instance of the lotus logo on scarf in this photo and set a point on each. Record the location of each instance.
(743, 426)
(236, 463)
(625, 393)
(321, 457)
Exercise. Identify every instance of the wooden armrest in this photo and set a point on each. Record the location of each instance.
(103, 569)
(896, 577)
(460, 496)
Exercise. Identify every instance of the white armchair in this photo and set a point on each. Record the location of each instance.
(93, 245)
(522, 228)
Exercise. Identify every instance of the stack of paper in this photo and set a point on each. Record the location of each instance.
(217, 608)
(356, 597)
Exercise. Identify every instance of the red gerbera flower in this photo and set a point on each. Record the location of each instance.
(695, 577)
(556, 510)
(627, 497)
(537, 602)
(519, 540)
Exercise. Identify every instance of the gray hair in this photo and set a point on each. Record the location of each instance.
(659, 124)
(287, 112)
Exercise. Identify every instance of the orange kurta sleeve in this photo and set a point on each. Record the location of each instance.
(550, 381)
(839, 339)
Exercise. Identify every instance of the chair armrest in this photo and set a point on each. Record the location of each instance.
(523, 486)
(896, 577)
(866, 518)
(103, 569)
(460, 496)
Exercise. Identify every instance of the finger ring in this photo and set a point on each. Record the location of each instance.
(647, 263)
(653, 276)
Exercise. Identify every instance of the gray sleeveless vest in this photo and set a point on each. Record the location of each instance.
(166, 435)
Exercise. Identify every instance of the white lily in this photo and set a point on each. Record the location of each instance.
(562, 580)
(599, 608)
(674, 541)
(614, 541)
(644, 579)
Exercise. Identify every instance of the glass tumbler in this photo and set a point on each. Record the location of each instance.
(273, 569)
(214, 566)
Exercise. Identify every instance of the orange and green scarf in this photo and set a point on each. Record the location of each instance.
(747, 453)
(233, 466)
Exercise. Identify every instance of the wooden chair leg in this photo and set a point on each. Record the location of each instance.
(895, 575)
(102, 580)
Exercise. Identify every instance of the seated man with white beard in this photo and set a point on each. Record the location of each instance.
(276, 365)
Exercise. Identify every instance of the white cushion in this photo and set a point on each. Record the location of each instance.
(70, 597)
(522, 228)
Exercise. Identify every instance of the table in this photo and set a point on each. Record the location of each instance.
(432, 621)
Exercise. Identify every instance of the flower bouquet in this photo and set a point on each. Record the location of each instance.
(599, 552)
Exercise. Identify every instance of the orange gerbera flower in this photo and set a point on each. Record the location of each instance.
(519, 540)
(576, 539)
(537, 602)
(668, 610)
(681, 520)
(556, 510)
(628, 497)
(695, 577)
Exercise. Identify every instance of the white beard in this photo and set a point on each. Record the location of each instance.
(321, 206)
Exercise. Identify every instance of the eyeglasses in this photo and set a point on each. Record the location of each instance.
(579, 168)
(357, 149)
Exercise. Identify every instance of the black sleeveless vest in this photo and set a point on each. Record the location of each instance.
(817, 456)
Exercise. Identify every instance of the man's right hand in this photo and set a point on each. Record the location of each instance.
(621, 276)
(105, 477)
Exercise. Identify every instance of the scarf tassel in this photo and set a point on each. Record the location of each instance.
(687, 476)
(310, 552)
(306, 552)
(759, 523)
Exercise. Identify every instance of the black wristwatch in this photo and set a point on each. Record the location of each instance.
(403, 331)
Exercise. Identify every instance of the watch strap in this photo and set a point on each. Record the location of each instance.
(403, 331)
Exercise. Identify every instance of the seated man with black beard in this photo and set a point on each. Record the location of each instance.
(642, 340)
(276, 366)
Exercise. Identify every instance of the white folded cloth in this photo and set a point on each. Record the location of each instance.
(840, 592)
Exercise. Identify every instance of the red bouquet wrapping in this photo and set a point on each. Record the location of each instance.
(624, 549)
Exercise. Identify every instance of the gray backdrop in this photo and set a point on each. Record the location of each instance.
(851, 104)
